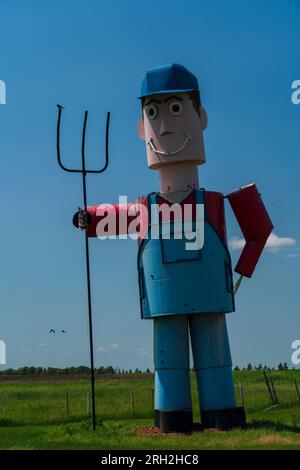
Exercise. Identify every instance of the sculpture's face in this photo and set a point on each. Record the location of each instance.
(172, 129)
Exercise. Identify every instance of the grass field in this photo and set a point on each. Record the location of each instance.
(33, 415)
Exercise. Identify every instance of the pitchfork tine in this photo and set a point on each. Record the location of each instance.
(70, 170)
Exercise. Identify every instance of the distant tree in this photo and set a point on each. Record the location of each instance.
(249, 366)
(236, 368)
(280, 366)
(285, 366)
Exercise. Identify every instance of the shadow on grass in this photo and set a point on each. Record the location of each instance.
(255, 425)
(274, 425)
(6, 422)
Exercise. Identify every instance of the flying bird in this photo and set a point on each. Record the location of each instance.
(52, 331)
(63, 331)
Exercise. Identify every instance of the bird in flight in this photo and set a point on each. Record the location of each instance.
(63, 331)
(52, 331)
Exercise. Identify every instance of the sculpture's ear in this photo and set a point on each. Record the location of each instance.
(141, 129)
(203, 118)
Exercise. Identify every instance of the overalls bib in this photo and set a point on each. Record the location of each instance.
(174, 280)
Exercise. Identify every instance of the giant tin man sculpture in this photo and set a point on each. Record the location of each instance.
(185, 291)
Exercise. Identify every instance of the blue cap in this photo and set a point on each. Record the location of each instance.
(167, 79)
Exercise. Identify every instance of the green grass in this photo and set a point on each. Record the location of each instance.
(34, 416)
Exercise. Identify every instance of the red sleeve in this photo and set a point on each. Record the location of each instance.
(117, 219)
(255, 224)
(215, 212)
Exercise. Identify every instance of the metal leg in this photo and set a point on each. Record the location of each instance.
(173, 404)
(213, 366)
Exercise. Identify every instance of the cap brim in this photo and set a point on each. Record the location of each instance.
(160, 92)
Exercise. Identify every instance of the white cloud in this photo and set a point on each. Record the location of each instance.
(273, 245)
(236, 243)
(109, 346)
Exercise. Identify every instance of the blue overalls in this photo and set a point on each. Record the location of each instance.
(188, 291)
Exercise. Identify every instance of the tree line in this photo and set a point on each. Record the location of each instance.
(110, 370)
(80, 370)
(281, 366)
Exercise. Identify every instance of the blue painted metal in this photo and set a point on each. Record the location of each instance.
(176, 281)
(171, 359)
(168, 78)
(182, 290)
(215, 388)
(212, 361)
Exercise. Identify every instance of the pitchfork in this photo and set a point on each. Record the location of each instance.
(84, 172)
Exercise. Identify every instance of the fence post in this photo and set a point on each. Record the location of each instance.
(297, 390)
(268, 387)
(88, 402)
(132, 402)
(67, 403)
(242, 394)
(274, 391)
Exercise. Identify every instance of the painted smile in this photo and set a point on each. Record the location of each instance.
(169, 154)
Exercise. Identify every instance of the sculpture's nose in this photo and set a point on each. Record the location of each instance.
(165, 127)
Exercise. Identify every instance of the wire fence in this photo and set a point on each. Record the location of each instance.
(118, 399)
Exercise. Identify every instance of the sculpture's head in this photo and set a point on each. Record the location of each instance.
(173, 119)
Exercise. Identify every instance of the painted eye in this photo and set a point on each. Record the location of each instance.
(176, 108)
(152, 111)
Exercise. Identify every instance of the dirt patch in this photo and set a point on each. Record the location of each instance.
(152, 431)
(274, 439)
(148, 431)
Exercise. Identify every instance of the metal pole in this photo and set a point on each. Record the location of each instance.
(88, 277)
(269, 388)
(132, 402)
(242, 394)
(67, 396)
(274, 391)
(297, 390)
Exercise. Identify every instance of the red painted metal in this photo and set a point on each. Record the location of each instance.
(255, 224)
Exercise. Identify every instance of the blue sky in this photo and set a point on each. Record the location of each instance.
(93, 55)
